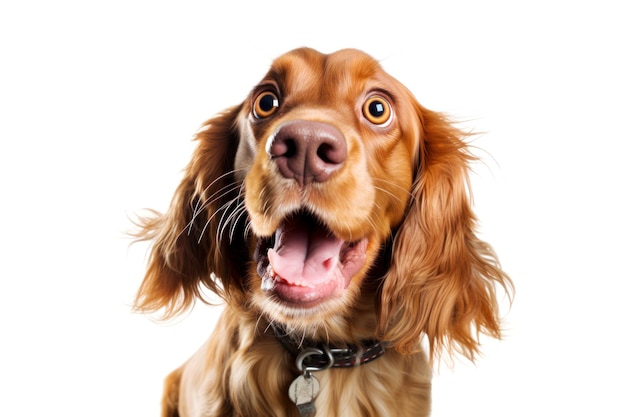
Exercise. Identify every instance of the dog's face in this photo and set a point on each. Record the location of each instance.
(330, 195)
(327, 170)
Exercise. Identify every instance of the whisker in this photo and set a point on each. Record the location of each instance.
(213, 195)
(246, 230)
(232, 220)
(219, 194)
(241, 213)
(196, 210)
(222, 192)
(200, 208)
(234, 216)
(389, 193)
(223, 208)
(233, 171)
(222, 220)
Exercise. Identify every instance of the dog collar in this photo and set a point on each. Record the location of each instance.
(320, 356)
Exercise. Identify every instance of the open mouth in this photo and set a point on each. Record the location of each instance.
(305, 263)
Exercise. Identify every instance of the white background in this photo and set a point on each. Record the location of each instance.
(98, 104)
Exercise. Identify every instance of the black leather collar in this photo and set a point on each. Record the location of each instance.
(311, 356)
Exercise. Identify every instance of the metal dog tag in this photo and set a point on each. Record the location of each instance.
(302, 392)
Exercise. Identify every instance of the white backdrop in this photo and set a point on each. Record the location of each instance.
(99, 101)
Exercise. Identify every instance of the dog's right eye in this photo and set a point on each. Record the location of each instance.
(265, 105)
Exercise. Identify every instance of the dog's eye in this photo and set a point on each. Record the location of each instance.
(265, 105)
(377, 110)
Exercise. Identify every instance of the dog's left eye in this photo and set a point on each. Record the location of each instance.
(265, 105)
(377, 110)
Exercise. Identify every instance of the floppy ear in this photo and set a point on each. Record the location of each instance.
(194, 242)
(442, 280)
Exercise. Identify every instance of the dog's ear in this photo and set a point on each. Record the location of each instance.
(194, 243)
(442, 280)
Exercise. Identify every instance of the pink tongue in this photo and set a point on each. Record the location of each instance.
(305, 254)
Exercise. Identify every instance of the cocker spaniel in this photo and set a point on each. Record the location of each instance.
(330, 211)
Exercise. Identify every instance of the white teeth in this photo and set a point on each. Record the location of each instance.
(301, 284)
(267, 284)
(268, 280)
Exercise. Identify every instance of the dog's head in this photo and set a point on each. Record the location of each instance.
(329, 189)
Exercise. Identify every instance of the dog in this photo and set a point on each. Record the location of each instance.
(330, 211)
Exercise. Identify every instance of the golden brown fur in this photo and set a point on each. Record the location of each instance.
(401, 191)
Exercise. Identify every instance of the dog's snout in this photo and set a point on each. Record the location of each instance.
(308, 151)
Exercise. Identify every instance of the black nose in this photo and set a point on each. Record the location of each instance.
(308, 151)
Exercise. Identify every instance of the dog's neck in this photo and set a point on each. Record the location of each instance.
(319, 355)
